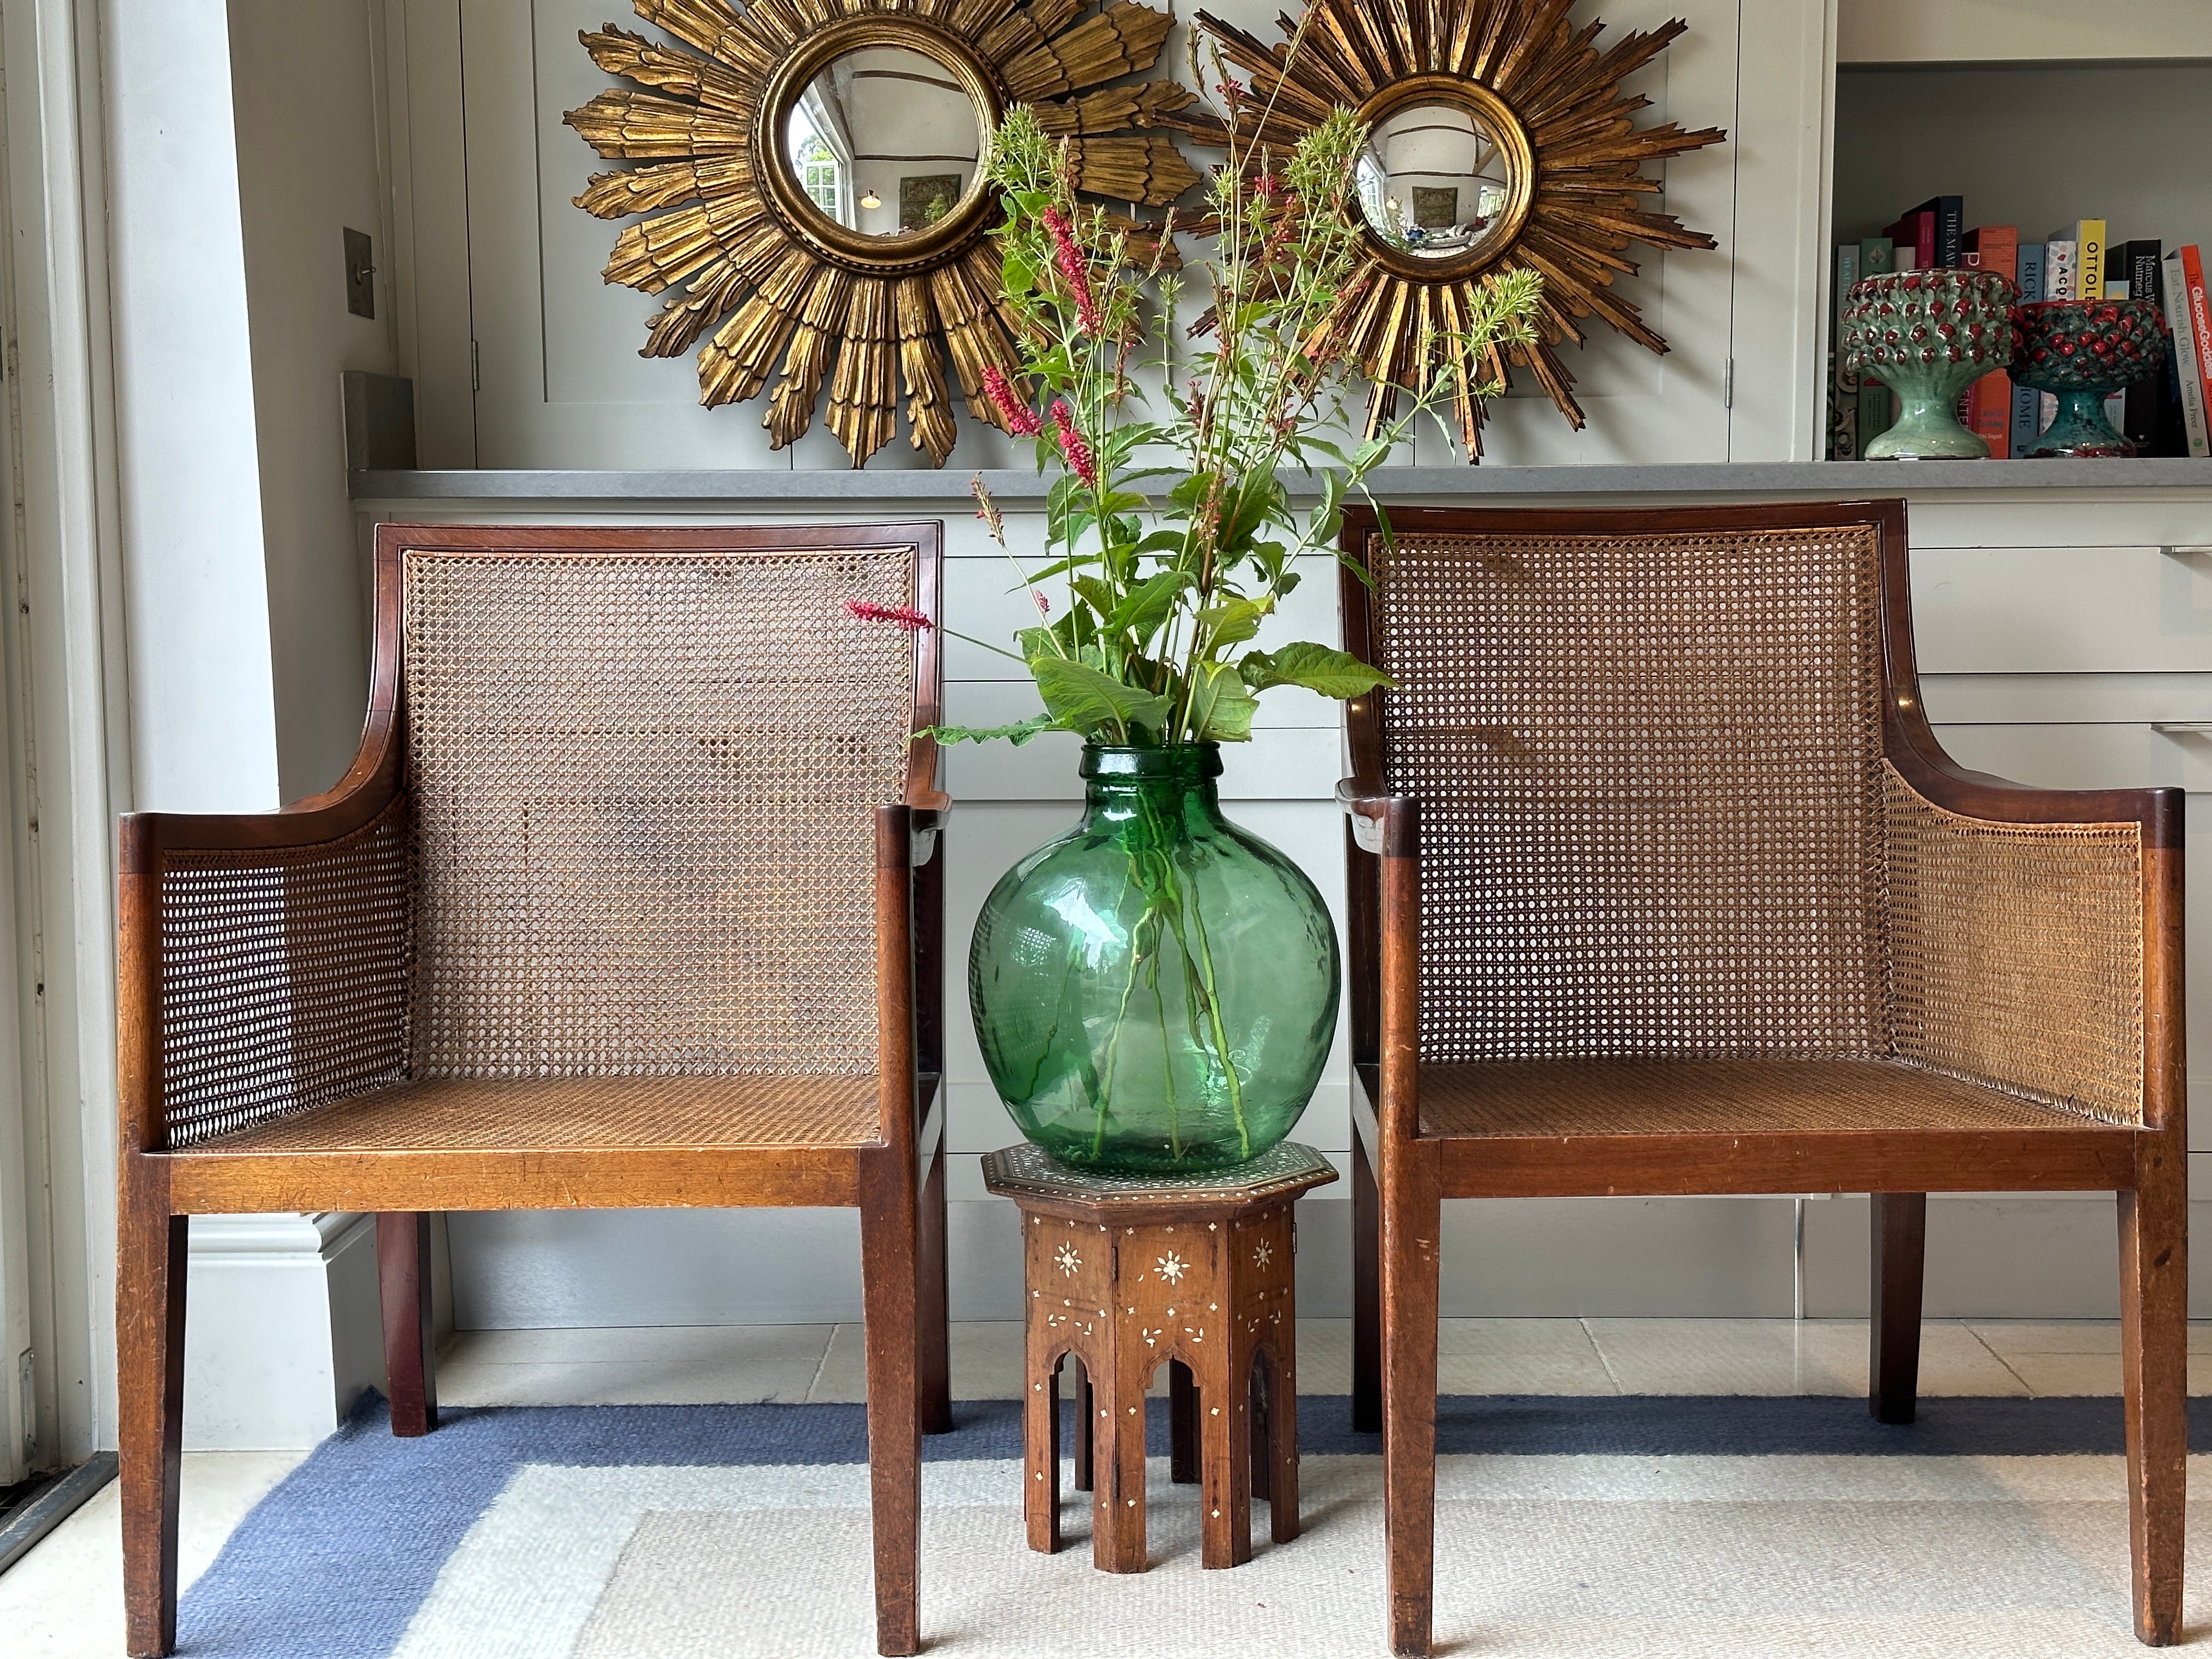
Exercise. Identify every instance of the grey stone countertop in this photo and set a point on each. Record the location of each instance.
(1404, 484)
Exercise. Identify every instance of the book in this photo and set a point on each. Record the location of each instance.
(2189, 298)
(2026, 401)
(1945, 247)
(2137, 263)
(1915, 237)
(1989, 400)
(2181, 317)
(1843, 382)
(1877, 255)
(2061, 270)
(2088, 236)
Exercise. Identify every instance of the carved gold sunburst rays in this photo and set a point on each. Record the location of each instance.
(1555, 103)
(739, 249)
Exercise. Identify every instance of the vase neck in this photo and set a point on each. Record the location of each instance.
(1168, 784)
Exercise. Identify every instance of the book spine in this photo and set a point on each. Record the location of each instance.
(1950, 231)
(1843, 385)
(2026, 402)
(2143, 401)
(2178, 316)
(2061, 274)
(1877, 256)
(2089, 244)
(2200, 323)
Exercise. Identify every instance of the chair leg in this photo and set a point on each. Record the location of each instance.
(2155, 1380)
(935, 1373)
(890, 1245)
(1183, 1425)
(1901, 1250)
(403, 1272)
(149, 1283)
(1366, 1296)
(1412, 1218)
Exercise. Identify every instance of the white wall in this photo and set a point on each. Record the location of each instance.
(308, 96)
(202, 708)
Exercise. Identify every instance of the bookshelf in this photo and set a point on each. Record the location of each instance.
(2035, 112)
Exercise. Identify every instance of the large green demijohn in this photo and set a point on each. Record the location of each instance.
(1156, 990)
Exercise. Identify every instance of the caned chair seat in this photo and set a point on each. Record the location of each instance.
(612, 1114)
(1596, 1097)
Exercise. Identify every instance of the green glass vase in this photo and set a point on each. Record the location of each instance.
(1154, 991)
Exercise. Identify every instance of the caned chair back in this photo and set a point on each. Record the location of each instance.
(1650, 770)
(641, 769)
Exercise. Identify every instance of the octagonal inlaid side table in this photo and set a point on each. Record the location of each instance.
(1124, 1274)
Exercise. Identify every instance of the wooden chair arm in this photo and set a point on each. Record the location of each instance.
(1921, 762)
(1384, 824)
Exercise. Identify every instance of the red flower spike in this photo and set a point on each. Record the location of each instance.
(1072, 449)
(1067, 259)
(903, 616)
(1021, 420)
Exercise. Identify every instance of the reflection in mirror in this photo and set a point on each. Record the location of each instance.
(1434, 180)
(884, 141)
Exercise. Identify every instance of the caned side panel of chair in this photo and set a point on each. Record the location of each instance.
(643, 790)
(2016, 952)
(284, 976)
(1649, 771)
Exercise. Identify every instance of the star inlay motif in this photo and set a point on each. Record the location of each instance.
(1172, 1268)
(1068, 1261)
(1262, 1254)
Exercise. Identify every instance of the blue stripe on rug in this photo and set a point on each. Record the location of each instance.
(335, 1561)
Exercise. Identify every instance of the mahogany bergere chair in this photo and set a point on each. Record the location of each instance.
(1660, 884)
(627, 900)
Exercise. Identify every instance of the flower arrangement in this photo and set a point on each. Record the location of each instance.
(1166, 593)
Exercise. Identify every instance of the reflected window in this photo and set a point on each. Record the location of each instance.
(885, 141)
(1433, 180)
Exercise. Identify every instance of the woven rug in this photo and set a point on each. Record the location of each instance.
(1646, 1526)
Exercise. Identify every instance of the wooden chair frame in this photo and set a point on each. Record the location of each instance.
(897, 1182)
(1400, 1174)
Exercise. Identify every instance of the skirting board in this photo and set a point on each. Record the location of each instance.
(281, 1329)
(1992, 1257)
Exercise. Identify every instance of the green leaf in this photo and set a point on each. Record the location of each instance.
(1096, 594)
(1232, 621)
(1082, 699)
(1318, 668)
(1149, 605)
(1221, 706)
(1017, 734)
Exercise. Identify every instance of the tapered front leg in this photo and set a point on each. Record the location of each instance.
(1901, 1248)
(2154, 1381)
(1283, 1440)
(1412, 1219)
(889, 1243)
(403, 1272)
(150, 1331)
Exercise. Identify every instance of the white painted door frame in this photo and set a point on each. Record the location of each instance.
(67, 724)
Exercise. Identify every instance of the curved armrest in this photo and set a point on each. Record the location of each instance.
(1913, 750)
(1384, 824)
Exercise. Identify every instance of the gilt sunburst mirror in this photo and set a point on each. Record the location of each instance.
(1500, 135)
(810, 175)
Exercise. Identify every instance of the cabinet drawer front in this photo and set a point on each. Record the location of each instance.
(2084, 756)
(2061, 609)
